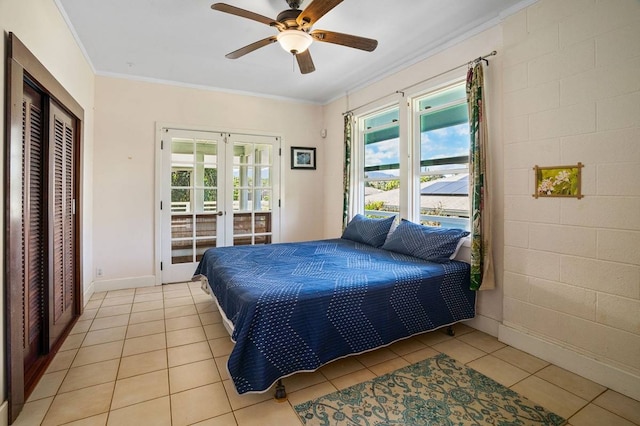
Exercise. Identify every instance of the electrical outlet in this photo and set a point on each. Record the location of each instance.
(98, 272)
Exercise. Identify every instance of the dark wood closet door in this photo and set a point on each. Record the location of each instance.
(33, 231)
(62, 230)
(42, 256)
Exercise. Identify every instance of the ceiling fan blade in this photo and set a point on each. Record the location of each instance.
(305, 62)
(316, 10)
(347, 40)
(251, 47)
(227, 8)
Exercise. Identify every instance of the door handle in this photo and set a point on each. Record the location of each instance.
(220, 213)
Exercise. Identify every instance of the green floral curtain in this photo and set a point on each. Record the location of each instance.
(346, 181)
(482, 275)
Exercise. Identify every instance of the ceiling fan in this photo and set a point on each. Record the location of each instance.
(294, 31)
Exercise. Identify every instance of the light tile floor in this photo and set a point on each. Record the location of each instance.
(157, 356)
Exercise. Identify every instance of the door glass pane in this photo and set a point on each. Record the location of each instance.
(206, 151)
(242, 200)
(181, 200)
(242, 176)
(180, 177)
(210, 176)
(243, 153)
(264, 176)
(263, 154)
(181, 146)
(181, 226)
(202, 246)
(262, 223)
(181, 251)
(206, 200)
(262, 239)
(263, 200)
(242, 223)
(206, 225)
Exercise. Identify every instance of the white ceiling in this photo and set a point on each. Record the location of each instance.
(184, 41)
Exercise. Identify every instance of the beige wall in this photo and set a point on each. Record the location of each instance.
(127, 113)
(572, 267)
(39, 25)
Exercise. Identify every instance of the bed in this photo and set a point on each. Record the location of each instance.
(294, 307)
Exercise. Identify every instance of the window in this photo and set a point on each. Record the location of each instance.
(439, 160)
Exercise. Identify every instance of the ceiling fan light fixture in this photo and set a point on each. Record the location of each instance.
(294, 41)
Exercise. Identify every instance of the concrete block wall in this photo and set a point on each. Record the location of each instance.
(571, 93)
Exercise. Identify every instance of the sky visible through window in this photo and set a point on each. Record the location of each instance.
(440, 143)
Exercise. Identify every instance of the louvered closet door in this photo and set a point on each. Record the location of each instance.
(62, 230)
(33, 230)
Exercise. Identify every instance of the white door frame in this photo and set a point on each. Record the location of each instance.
(278, 184)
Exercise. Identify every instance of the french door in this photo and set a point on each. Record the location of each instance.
(217, 189)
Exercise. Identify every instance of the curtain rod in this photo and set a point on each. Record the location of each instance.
(466, 64)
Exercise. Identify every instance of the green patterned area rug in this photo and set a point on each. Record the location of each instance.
(436, 391)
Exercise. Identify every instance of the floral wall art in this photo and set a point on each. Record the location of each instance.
(558, 181)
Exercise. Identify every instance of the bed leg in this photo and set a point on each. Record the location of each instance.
(450, 331)
(281, 393)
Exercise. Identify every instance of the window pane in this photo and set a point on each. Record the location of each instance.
(381, 198)
(444, 118)
(381, 135)
(444, 160)
(382, 119)
(443, 97)
(382, 164)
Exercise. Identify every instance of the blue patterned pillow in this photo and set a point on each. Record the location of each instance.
(368, 231)
(426, 242)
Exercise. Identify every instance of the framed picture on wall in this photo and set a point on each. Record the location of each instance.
(303, 158)
(558, 181)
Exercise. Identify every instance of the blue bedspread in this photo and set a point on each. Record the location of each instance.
(298, 306)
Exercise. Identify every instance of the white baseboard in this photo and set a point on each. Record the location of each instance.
(612, 377)
(484, 324)
(4, 413)
(88, 292)
(123, 283)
